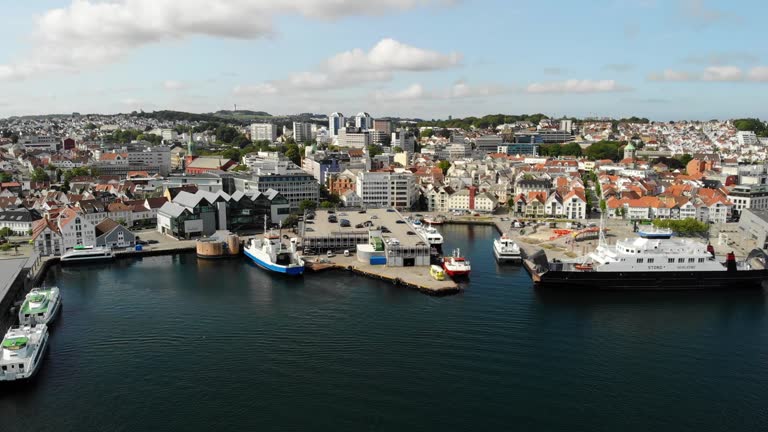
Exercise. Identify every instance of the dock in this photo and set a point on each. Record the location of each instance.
(417, 278)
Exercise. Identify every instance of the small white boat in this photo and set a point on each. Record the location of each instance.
(40, 306)
(87, 254)
(505, 249)
(22, 352)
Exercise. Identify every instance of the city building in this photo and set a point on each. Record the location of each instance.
(754, 225)
(19, 220)
(263, 132)
(754, 197)
(404, 140)
(39, 142)
(387, 189)
(202, 164)
(353, 138)
(488, 143)
(747, 138)
(111, 234)
(335, 123)
(296, 186)
(302, 132)
(363, 121)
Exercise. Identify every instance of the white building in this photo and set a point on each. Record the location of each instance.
(154, 157)
(363, 121)
(263, 132)
(404, 140)
(753, 197)
(353, 139)
(488, 143)
(388, 189)
(335, 124)
(747, 138)
(169, 134)
(39, 142)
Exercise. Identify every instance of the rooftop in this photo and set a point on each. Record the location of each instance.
(379, 217)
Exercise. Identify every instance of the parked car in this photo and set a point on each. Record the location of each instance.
(400, 221)
(344, 223)
(152, 242)
(389, 210)
(362, 212)
(411, 233)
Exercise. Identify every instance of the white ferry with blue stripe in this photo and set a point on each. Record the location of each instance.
(272, 255)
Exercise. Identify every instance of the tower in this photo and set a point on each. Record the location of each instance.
(629, 151)
(190, 144)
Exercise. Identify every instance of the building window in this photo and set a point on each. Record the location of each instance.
(681, 260)
(690, 260)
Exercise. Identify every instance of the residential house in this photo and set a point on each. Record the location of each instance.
(111, 234)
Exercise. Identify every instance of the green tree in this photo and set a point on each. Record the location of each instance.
(40, 175)
(327, 205)
(397, 149)
(291, 221)
(603, 206)
(5, 232)
(241, 141)
(684, 159)
(374, 150)
(5, 177)
(226, 134)
(570, 149)
(444, 165)
(231, 153)
(427, 133)
(307, 205)
(685, 227)
(603, 150)
(239, 168)
(293, 153)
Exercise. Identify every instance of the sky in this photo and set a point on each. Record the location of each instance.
(661, 59)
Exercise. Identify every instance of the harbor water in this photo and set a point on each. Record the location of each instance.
(179, 343)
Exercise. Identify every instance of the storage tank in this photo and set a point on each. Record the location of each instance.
(233, 244)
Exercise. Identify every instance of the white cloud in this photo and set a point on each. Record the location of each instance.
(256, 89)
(173, 85)
(698, 12)
(458, 90)
(758, 73)
(390, 55)
(576, 86)
(412, 92)
(722, 58)
(355, 67)
(722, 73)
(89, 33)
(672, 75)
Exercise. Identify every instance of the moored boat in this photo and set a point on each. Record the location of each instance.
(436, 220)
(505, 249)
(272, 255)
(22, 352)
(40, 306)
(88, 254)
(430, 234)
(456, 265)
(652, 261)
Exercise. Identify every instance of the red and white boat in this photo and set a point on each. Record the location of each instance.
(456, 265)
(437, 220)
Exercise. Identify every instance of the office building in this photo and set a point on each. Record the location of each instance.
(263, 132)
(335, 124)
(488, 143)
(363, 121)
(302, 132)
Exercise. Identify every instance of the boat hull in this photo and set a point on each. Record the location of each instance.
(456, 273)
(658, 281)
(500, 257)
(275, 268)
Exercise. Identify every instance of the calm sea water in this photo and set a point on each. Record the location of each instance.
(175, 343)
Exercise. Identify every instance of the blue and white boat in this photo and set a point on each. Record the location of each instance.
(655, 233)
(271, 254)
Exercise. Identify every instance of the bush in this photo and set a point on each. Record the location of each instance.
(685, 227)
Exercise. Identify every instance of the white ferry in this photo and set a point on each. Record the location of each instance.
(430, 234)
(87, 254)
(22, 352)
(505, 249)
(272, 255)
(40, 306)
(654, 260)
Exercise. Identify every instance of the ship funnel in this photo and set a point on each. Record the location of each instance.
(730, 262)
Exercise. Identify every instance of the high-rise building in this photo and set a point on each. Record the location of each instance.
(263, 131)
(363, 121)
(382, 126)
(302, 132)
(335, 122)
(353, 138)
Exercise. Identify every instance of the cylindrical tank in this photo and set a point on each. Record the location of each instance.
(209, 248)
(233, 244)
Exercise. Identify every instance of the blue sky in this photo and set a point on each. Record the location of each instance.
(663, 59)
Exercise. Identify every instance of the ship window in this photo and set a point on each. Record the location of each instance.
(701, 260)
(21, 366)
(650, 260)
(681, 260)
(671, 260)
(640, 260)
(5, 367)
(690, 260)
